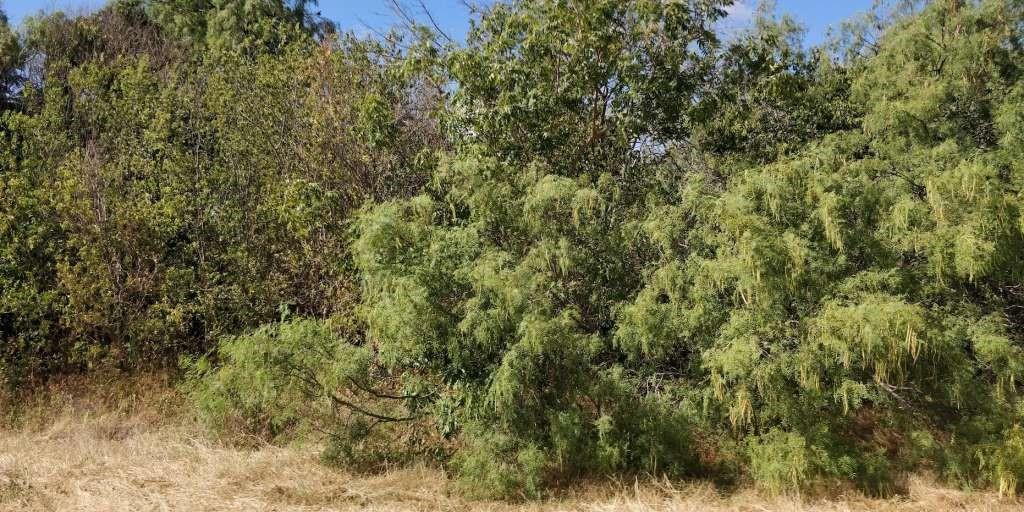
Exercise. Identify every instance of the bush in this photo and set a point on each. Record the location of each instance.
(820, 296)
(780, 461)
(498, 466)
(155, 199)
(303, 378)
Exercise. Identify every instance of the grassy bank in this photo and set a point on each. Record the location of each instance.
(110, 444)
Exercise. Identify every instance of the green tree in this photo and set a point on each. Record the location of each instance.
(225, 24)
(10, 63)
(819, 257)
(501, 285)
(864, 287)
(580, 84)
(769, 96)
(160, 201)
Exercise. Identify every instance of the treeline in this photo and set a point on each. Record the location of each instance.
(596, 237)
(170, 177)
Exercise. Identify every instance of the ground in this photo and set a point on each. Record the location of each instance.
(104, 445)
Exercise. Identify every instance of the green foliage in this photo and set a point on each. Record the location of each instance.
(779, 460)
(502, 283)
(823, 257)
(249, 25)
(259, 378)
(153, 205)
(1004, 463)
(867, 277)
(581, 83)
(29, 239)
(300, 376)
(498, 466)
(770, 95)
(11, 59)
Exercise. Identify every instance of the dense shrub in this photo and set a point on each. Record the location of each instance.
(159, 199)
(302, 377)
(829, 265)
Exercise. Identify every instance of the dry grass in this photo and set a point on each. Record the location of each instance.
(129, 446)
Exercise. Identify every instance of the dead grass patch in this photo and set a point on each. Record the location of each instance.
(128, 445)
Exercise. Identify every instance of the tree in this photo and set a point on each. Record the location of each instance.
(817, 257)
(864, 287)
(10, 63)
(500, 286)
(226, 24)
(581, 84)
(160, 200)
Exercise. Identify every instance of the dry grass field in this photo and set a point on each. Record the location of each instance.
(129, 446)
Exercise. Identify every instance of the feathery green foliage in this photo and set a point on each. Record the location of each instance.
(827, 268)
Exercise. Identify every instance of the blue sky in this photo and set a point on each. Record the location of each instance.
(817, 15)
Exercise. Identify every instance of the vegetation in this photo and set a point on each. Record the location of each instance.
(595, 238)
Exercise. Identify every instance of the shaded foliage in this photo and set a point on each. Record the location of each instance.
(157, 203)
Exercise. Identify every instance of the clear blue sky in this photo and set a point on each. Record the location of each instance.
(817, 15)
